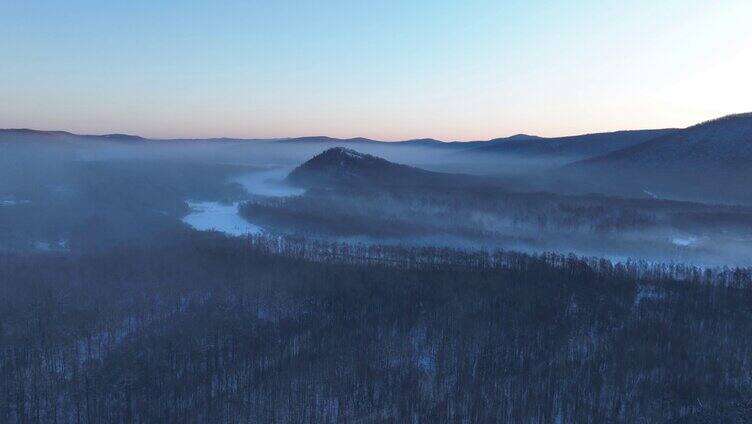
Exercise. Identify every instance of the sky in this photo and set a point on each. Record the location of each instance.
(389, 70)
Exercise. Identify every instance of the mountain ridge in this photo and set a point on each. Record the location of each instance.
(584, 145)
(310, 139)
(724, 141)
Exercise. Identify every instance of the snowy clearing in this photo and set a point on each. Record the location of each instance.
(208, 216)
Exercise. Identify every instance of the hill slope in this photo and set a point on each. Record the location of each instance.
(340, 166)
(709, 161)
(723, 142)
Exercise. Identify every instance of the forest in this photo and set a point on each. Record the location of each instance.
(304, 281)
(262, 329)
(493, 217)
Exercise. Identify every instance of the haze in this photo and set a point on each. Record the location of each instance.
(375, 212)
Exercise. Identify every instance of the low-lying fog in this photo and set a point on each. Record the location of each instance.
(619, 235)
(268, 183)
(95, 194)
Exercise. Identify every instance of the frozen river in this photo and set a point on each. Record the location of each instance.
(225, 218)
(208, 216)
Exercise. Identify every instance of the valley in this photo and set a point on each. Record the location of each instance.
(418, 269)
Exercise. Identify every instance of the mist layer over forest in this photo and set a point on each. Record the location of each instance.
(594, 278)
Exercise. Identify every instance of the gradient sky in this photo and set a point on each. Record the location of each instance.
(453, 70)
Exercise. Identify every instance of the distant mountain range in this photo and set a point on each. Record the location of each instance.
(717, 139)
(520, 143)
(577, 146)
(9, 134)
(574, 147)
(710, 160)
(564, 149)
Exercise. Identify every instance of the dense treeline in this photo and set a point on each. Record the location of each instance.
(210, 329)
(480, 217)
(427, 257)
(475, 209)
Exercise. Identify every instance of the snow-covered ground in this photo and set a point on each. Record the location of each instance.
(684, 241)
(207, 216)
(51, 246)
(648, 292)
(11, 202)
(650, 193)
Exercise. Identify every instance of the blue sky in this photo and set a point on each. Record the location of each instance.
(382, 69)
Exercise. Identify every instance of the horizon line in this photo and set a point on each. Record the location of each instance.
(344, 139)
(517, 135)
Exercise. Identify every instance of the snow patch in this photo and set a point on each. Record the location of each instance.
(353, 154)
(684, 241)
(11, 202)
(215, 216)
(51, 246)
(648, 293)
(649, 193)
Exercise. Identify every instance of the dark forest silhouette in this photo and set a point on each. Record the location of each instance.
(213, 329)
